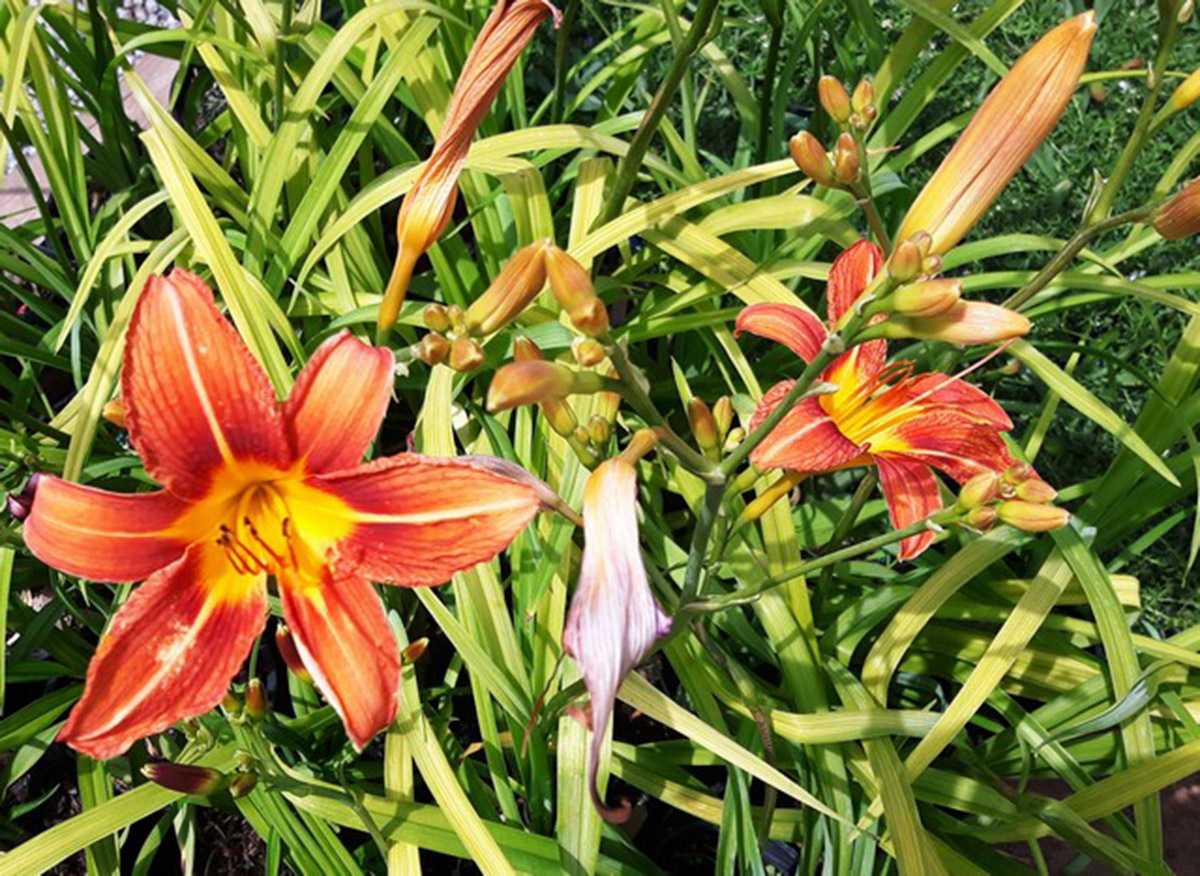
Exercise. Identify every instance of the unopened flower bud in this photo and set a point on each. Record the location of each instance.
(114, 412)
(256, 700)
(735, 437)
(932, 264)
(810, 157)
(981, 518)
(560, 415)
(230, 703)
(704, 426)
(1036, 490)
(581, 434)
(242, 784)
(1180, 216)
(588, 352)
(967, 322)
(525, 350)
(979, 490)
(436, 318)
(834, 99)
(599, 430)
(1018, 472)
(526, 382)
(1186, 94)
(723, 415)
(458, 319)
(199, 781)
(864, 95)
(572, 287)
(927, 298)
(414, 651)
(291, 656)
(845, 160)
(517, 284)
(466, 354)
(1032, 516)
(20, 504)
(1010, 368)
(433, 349)
(923, 240)
(904, 266)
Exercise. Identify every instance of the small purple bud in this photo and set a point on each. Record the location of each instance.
(20, 504)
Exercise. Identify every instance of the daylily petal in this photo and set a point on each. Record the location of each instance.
(912, 494)
(957, 445)
(169, 654)
(343, 637)
(419, 519)
(943, 392)
(338, 402)
(103, 536)
(850, 274)
(794, 327)
(614, 620)
(196, 399)
(807, 439)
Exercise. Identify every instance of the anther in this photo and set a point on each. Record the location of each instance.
(266, 547)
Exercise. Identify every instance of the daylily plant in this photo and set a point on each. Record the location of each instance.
(255, 488)
(880, 414)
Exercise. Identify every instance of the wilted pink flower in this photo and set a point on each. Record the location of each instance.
(614, 620)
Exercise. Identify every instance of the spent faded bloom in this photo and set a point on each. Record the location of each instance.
(255, 488)
(1012, 122)
(614, 620)
(430, 202)
(881, 415)
(1180, 216)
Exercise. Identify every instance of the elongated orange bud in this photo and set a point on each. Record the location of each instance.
(114, 412)
(291, 656)
(1032, 516)
(834, 99)
(517, 284)
(905, 264)
(1180, 216)
(810, 157)
(967, 322)
(1013, 121)
(525, 350)
(704, 425)
(927, 298)
(256, 700)
(526, 382)
(845, 159)
(1036, 490)
(186, 778)
(864, 96)
(723, 415)
(979, 490)
(1186, 94)
(430, 202)
(572, 286)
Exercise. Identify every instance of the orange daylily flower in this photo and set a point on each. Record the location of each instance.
(430, 202)
(1017, 116)
(254, 487)
(881, 415)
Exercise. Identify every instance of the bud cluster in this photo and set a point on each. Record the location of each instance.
(454, 332)
(842, 167)
(711, 427)
(1016, 496)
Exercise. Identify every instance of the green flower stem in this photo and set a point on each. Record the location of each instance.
(698, 34)
(1073, 247)
(632, 389)
(1168, 34)
(850, 516)
(749, 594)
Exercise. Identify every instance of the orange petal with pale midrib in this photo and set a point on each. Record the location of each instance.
(170, 653)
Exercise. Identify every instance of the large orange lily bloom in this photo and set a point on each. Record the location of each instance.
(255, 488)
(881, 415)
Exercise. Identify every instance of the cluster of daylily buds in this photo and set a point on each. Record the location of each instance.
(454, 333)
(1015, 496)
(711, 427)
(842, 167)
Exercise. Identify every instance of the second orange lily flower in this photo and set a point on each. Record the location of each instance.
(881, 414)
